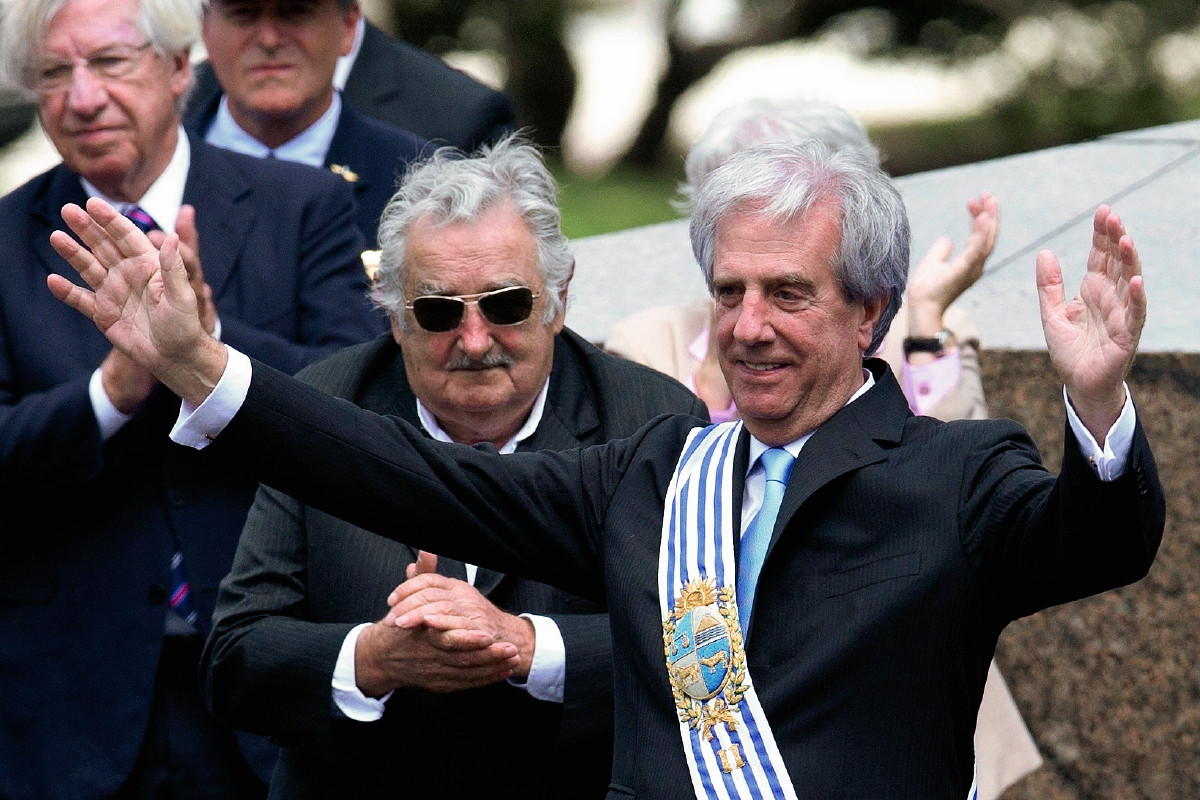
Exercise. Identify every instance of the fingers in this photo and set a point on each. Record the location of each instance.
(76, 297)
(174, 273)
(1051, 296)
(121, 232)
(939, 251)
(185, 226)
(83, 262)
(426, 563)
(419, 583)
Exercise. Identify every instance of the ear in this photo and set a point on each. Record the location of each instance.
(350, 20)
(397, 331)
(872, 312)
(181, 73)
(561, 319)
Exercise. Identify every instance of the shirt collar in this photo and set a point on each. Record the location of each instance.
(531, 424)
(341, 73)
(307, 147)
(164, 198)
(757, 448)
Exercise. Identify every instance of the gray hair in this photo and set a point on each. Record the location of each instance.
(448, 187)
(171, 27)
(784, 181)
(761, 121)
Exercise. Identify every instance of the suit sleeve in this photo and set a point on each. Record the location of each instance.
(1038, 541)
(587, 696)
(46, 433)
(266, 668)
(538, 515)
(331, 307)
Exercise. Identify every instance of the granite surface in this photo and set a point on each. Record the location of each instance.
(1110, 685)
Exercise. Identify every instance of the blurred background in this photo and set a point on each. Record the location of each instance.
(618, 89)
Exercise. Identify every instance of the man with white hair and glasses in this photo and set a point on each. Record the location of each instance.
(103, 610)
(473, 275)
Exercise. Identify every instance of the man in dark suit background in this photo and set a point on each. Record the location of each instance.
(404, 86)
(275, 62)
(858, 563)
(291, 655)
(97, 663)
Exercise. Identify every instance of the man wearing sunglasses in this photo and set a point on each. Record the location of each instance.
(473, 275)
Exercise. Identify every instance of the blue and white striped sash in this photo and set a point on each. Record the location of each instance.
(730, 749)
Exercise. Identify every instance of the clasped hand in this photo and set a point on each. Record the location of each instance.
(442, 635)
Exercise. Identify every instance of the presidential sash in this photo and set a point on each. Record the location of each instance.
(731, 752)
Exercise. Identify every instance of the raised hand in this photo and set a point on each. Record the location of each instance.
(141, 298)
(939, 280)
(1092, 339)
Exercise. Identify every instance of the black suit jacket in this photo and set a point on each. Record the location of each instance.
(89, 527)
(370, 155)
(411, 89)
(902, 548)
(302, 579)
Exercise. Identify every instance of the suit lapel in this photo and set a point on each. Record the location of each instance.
(847, 442)
(64, 187)
(345, 156)
(225, 214)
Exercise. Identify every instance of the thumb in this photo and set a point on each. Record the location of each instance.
(185, 226)
(939, 251)
(426, 563)
(1051, 297)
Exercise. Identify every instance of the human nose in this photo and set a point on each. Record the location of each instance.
(86, 94)
(475, 336)
(753, 323)
(267, 33)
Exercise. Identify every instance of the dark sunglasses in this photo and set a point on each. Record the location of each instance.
(440, 313)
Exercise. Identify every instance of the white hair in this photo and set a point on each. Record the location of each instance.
(784, 181)
(451, 187)
(171, 26)
(761, 121)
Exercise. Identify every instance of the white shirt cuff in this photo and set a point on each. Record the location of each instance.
(1107, 462)
(197, 427)
(548, 672)
(108, 418)
(346, 695)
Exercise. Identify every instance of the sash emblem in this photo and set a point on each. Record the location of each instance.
(705, 657)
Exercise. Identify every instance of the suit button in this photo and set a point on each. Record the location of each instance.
(157, 595)
(175, 497)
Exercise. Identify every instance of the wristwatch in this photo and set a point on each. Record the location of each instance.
(927, 344)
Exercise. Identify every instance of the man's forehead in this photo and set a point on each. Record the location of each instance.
(753, 235)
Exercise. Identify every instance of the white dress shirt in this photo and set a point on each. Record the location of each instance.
(162, 202)
(310, 146)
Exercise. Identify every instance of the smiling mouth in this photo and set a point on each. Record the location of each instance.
(759, 366)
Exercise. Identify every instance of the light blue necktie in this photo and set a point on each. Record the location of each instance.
(778, 465)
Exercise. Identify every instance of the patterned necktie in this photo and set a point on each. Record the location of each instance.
(145, 223)
(778, 465)
(181, 592)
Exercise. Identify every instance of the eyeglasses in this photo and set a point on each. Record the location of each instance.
(440, 313)
(110, 64)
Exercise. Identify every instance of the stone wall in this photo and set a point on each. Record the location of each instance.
(1110, 686)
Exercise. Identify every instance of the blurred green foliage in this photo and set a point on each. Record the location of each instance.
(623, 198)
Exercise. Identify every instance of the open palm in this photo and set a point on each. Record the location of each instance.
(141, 299)
(1092, 339)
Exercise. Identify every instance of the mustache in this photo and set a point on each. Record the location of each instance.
(489, 361)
